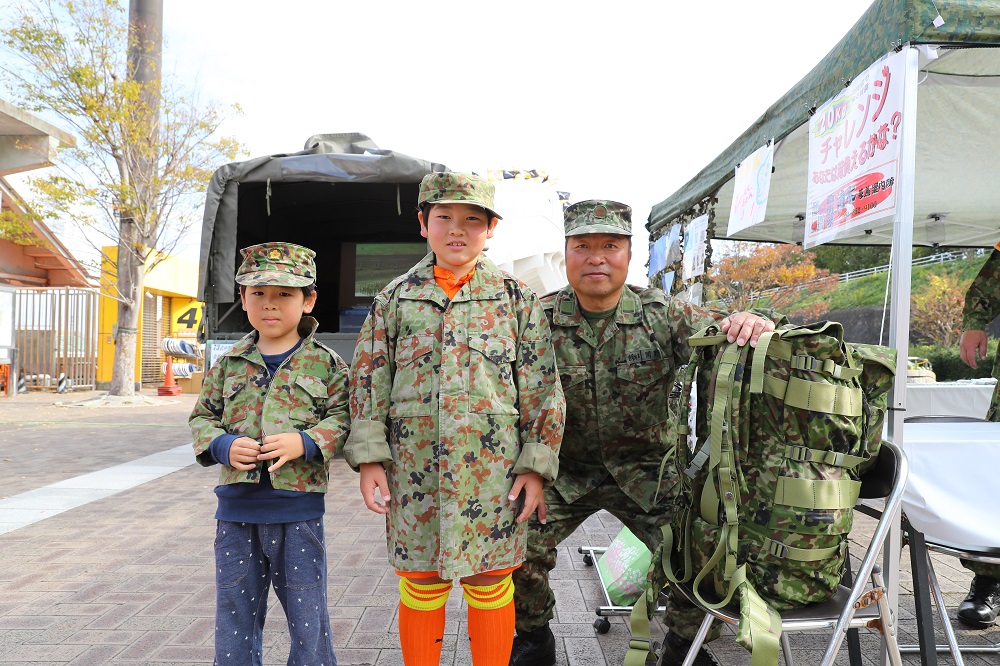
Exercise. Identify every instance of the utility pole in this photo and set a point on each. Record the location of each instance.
(140, 163)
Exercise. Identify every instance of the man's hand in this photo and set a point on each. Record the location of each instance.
(745, 326)
(243, 453)
(534, 498)
(373, 480)
(286, 446)
(972, 347)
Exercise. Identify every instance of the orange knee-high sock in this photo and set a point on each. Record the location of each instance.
(491, 622)
(421, 621)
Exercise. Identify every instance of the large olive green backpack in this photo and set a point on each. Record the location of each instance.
(766, 497)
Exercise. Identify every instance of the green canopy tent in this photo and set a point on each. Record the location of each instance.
(957, 200)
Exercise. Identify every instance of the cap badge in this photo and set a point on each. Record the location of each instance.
(274, 254)
(600, 211)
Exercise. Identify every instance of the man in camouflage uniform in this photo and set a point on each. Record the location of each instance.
(272, 413)
(618, 348)
(982, 305)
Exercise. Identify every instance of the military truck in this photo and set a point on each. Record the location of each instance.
(350, 201)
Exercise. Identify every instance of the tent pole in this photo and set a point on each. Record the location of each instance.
(899, 322)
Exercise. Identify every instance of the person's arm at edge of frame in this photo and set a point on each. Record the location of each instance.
(542, 406)
(982, 301)
(367, 448)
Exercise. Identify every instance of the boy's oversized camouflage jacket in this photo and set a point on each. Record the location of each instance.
(982, 305)
(455, 398)
(307, 393)
(617, 388)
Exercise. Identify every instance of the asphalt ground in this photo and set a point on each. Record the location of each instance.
(106, 532)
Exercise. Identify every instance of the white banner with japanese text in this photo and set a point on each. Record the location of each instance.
(753, 181)
(854, 141)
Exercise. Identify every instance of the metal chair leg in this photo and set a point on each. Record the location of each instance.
(921, 597)
(949, 631)
(699, 639)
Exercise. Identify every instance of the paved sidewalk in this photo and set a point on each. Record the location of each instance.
(126, 577)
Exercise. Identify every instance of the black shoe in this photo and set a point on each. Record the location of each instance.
(534, 648)
(979, 610)
(675, 650)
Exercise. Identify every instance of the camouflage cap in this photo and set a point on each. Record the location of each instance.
(281, 264)
(598, 217)
(453, 187)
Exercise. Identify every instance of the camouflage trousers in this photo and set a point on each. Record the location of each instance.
(534, 601)
(981, 568)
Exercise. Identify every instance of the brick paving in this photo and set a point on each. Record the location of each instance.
(128, 578)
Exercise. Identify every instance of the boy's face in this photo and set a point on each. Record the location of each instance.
(457, 233)
(275, 311)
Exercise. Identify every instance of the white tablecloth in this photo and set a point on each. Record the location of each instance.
(948, 399)
(953, 492)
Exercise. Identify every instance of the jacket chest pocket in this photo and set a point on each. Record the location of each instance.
(644, 390)
(492, 389)
(413, 381)
(309, 402)
(240, 399)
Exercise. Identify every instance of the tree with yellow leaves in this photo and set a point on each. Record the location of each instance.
(145, 151)
(752, 275)
(936, 310)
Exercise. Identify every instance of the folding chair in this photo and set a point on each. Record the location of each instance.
(851, 607)
(921, 547)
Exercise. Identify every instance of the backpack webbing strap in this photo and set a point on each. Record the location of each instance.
(759, 356)
(719, 435)
(834, 458)
(778, 549)
(823, 366)
(816, 396)
(759, 629)
(638, 646)
(817, 493)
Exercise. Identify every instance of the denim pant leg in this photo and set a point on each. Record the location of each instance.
(297, 554)
(241, 584)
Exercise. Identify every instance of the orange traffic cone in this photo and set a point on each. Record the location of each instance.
(170, 386)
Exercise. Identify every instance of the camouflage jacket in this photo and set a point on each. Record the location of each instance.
(982, 305)
(307, 394)
(617, 419)
(455, 398)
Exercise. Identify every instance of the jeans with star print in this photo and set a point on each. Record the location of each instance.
(250, 558)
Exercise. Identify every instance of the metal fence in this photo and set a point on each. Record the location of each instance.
(56, 337)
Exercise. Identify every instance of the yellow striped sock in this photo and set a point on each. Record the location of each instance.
(491, 622)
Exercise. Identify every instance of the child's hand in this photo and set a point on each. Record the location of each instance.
(243, 453)
(534, 498)
(286, 446)
(372, 480)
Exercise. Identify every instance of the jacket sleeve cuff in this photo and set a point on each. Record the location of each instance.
(537, 457)
(367, 443)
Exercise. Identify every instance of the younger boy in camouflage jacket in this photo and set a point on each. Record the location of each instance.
(272, 413)
(456, 406)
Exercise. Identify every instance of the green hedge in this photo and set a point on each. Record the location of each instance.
(948, 364)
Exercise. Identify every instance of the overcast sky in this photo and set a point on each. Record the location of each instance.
(624, 100)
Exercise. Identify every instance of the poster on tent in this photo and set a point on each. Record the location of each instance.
(854, 141)
(695, 237)
(751, 185)
(657, 256)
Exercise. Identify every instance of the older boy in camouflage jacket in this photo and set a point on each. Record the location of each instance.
(272, 413)
(456, 408)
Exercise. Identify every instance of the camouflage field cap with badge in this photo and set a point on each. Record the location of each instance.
(452, 187)
(598, 217)
(281, 264)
